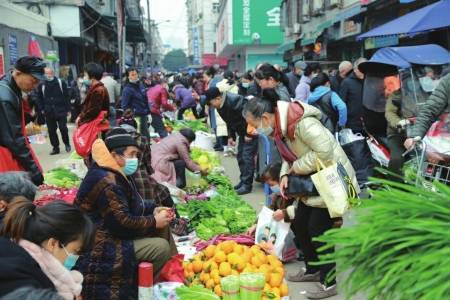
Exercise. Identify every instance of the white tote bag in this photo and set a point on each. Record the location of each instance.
(270, 234)
(335, 187)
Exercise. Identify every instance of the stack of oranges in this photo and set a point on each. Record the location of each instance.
(229, 258)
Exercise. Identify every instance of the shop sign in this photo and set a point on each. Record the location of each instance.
(380, 42)
(196, 46)
(13, 50)
(2, 62)
(349, 28)
(257, 22)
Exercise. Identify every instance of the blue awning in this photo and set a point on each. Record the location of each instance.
(431, 17)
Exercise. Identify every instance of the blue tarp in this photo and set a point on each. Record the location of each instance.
(433, 16)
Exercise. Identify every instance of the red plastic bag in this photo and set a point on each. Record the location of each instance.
(85, 135)
(173, 270)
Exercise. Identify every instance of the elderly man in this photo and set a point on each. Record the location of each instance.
(345, 68)
(295, 75)
(113, 88)
(54, 104)
(15, 151)
(14, 184)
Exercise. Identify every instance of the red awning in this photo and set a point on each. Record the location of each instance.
(211, 60)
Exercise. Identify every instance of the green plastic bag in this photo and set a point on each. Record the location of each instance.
(230, 287)
(251, 286)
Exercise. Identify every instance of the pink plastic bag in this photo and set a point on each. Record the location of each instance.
(173, 270)
(85, 135)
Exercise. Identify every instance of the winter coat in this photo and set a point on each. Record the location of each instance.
(335, 82)
(12, 133)
(67, 283)
(335, 109)
(134, 98)
(171, 148)
(113, 88)
(120, 216)
(302, 91)
(311, 141)
(294, 80)
(437, 104)
(283, 92)
(184, 96)
(351, 93)
(252, 90)
(158, 97)
(97, 100)
(393, 112)
(19, 269)
(53, 98)
(199, 87)
(231, 113)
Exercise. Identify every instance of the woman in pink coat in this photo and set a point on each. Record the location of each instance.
(170, 157)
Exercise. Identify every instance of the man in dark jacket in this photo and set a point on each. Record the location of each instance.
(295, 75)
(436, 105)
(345, 68)
(54, 104)
(230, 106)
(351, 93)
(15, 150)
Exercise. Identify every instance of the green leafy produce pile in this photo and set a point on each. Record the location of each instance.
(207, 160)
(224, 213)
(195, 292)
(195, 125)
(399, 247)
(61, 177)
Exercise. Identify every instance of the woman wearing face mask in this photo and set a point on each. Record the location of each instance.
(301, 139)
(170, 157)
(270, 78)
(97, 99)
(123, 220)
(247, 85)
(134, 97)
(40, 246)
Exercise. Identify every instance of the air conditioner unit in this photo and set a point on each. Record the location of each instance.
(297, 28)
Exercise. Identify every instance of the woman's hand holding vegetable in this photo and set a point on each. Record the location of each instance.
(163, 216)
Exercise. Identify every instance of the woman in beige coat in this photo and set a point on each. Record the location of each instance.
(302, 139)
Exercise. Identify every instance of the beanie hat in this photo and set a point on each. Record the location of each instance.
(212, 93)
(119, 138)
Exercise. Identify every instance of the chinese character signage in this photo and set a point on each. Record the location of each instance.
(13, 50)
(256, 22)
(196, 46)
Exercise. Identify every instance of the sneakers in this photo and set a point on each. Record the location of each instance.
(323, 292)
(243, 190)
(54, 151)
(304, 277)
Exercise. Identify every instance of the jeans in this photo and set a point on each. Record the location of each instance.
(52, 125)
(158, 125)
(112, 115)
(311, 222)
(246, 160)
(182, 110)
(143, 126)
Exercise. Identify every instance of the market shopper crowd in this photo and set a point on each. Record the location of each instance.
(122, 212)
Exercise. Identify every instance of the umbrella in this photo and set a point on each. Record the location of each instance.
(431, 17)
(33, 48)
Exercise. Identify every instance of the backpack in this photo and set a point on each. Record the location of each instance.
(330, 116)
(60, 86)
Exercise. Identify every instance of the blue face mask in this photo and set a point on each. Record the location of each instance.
(266, 131)
(71, 260)
(275, 189)
(246, 85)
(87, 82)
(131, 166)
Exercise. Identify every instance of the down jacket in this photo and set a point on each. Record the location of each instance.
(436, 105)
(312, 140)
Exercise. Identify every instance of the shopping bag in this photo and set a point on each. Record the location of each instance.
(379, 152)
(289, 251)
(335, 187)
(85, 135)
(270, 234)
(173, 270)
(8, 162)
(359, 154)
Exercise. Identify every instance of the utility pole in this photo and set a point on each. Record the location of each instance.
(149, 57)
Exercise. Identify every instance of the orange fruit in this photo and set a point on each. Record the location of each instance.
(232, 258)
(266, 270)
(256, 262)
(275, 280)
(240, 264)
(197, 266)
(276, 263)
(227, 246)
(225, 269)
(191, 274)
(209, 266)
(220, 257)
(262, 257)
(234, 272)
(279, 270)
(190, 267)
(217, 279)
(210, 251)
(255, 249)
(218, 290)
(271, 257)
(202, 277)
(238, 249)
(210, 284)
(267, 287)
(199, 257)
(284, 290)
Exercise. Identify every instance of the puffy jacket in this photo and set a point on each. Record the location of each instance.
(312, 140)
(53, 98)
(352, 93)
(231, 113)
(294, 80)
(11, 134)
(332, 106)
(184, 96)
(283, 92)
(302, 91)
(158, 99)
(134, 98)
(436, 105)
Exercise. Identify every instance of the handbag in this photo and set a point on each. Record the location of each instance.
(301, 185)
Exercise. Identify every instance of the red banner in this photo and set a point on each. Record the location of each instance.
(211, 60)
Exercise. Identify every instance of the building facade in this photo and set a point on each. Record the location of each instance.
(249, 33)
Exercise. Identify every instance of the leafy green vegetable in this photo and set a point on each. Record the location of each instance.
(399, 247)
(195, 125)
(195, 292)
(61, 177)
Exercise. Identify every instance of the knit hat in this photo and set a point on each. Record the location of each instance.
(119, 138)
(300, 65)
(212, 93)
